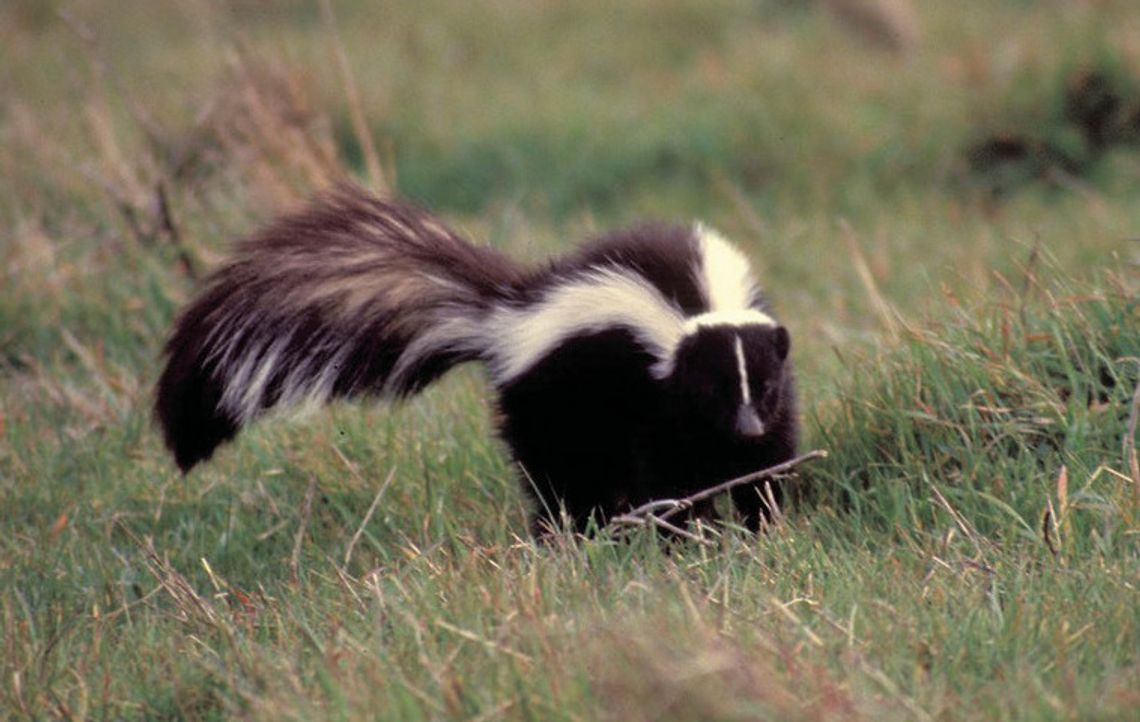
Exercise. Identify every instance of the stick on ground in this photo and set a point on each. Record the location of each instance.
(647, 512)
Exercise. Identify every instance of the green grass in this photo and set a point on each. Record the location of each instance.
(969, 550)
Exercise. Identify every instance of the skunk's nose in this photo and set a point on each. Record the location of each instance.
(748, 422)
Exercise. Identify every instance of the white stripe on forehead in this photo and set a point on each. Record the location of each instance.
(742, 368)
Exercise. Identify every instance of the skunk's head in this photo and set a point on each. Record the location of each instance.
(732, 378)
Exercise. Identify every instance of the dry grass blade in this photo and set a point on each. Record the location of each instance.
(1129, 445)
(960, 521)
(190, 604)
(367, 516)
(887, 314)
(352, 96)
(299, 537)
(263, 121)
(488, 643)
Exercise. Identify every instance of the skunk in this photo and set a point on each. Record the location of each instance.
(645, 365)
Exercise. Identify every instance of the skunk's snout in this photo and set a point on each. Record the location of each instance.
(748, 422)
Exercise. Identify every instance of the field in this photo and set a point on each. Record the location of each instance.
(942, 201)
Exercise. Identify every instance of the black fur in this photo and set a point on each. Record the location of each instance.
(596, 433)
(357, 296)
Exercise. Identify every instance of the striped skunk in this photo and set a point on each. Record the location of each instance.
(645, 365)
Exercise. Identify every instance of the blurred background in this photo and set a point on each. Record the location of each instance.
(774, 118)
(867, 153)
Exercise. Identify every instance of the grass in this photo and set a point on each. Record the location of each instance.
(969, 550)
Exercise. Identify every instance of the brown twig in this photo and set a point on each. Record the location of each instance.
(646, 513)
(770, 472)
(626, 520)
(164, 219)
(674, 529)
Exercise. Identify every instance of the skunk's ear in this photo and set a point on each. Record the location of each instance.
(782, 341)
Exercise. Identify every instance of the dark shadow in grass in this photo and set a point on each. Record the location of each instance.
(1097, 111)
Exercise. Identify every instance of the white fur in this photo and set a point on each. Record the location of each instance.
(593, 301)
(227, 334)
(511, 337)
(245, 386)
(607, 298)
(745, 392)
(451, 329)
(514, 338)
(725, 280)
(736, 317)
(724, 275)
(307, 384)
(254, 387)
(307, 387)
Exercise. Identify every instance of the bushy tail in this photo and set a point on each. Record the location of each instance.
(352, 296)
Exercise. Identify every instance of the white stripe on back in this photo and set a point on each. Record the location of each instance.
(514, 338)
(600, 299)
